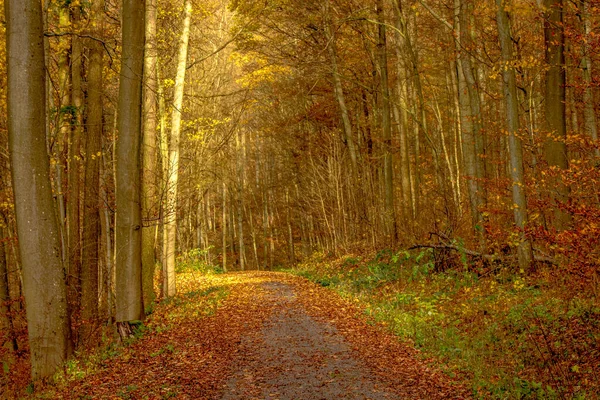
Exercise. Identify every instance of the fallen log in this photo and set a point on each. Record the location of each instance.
(489, 257)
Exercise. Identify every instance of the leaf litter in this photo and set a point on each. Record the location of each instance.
(260, 335)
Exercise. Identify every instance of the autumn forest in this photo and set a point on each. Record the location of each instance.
(423, 174)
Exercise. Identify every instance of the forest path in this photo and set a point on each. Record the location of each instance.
(262, 335)
(294, 356)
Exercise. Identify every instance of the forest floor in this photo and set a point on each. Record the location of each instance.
(256, 336)
(510, 335)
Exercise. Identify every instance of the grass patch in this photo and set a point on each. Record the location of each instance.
(512, 336)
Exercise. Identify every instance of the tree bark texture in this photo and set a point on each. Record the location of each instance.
(470, 115)
(171, 288)
(591, 121)
(150, 200)
(93, 159)
(555, 147)
(74, 168)
(39, 241)
(128, 154)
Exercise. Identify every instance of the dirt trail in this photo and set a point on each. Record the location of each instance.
(296, 357)
(261, 336)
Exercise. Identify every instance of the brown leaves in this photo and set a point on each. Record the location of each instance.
(396, 363)
(192, 355)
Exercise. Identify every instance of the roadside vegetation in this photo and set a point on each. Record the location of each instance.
(513, 336)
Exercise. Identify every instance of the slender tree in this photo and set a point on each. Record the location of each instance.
(386, 124)
(591, 120)
(74, 167)
(515, 146)
(93, 159)
(338, 87)
(150, 197)
(169, 272)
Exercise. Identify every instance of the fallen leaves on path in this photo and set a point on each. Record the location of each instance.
(396, 363)
(188, 348)
(193, 344)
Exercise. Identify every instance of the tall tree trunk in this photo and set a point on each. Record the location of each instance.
(39, 242)
(386, 124)
(171, 288)
(408, 200)
(150, 197)
(74, 205)
(419, 105)
(224, 226)
(91, 198)
(290, 231)
(338, 89)
(514, 143)
(129, 211)
(591, 121)
(107, 223)
(241, 160)
(466, 35)
(470, 116)
(64, 130)
(555, 147)
(164, 160)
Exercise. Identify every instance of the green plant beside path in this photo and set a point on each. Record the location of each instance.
(513, 337)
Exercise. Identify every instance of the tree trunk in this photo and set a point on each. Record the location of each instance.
(420, 123)
(171, 288)
(514, 143)
(224, 227)
(408, 200)
(39, 242)
(390, 212)
(107, 223)
(74, 205)
(591, 121)
(338, 89)
(129, 212)
(241, 160)
(150, 197)
(290, 231)
(64, 134)
(91, 198)
(6, 323)
(470, 117)
(164, 159)
(555, 147)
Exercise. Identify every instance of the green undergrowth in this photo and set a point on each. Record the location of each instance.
(196, 261)
(512, 336)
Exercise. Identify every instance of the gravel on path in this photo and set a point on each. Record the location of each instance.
(295, 356)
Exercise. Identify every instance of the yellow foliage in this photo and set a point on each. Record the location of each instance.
(259, 69)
